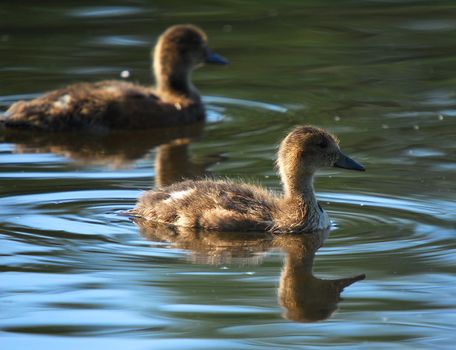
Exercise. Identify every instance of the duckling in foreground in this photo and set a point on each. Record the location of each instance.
(232, 206)
(118, 104)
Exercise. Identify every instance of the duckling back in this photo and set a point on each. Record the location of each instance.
(98, 106)
(217, 205)
(118, 104)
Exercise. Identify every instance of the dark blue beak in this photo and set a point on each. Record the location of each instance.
(215, 58)
(348, 163)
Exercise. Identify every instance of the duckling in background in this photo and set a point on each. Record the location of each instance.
(118, 104)
(232, 206)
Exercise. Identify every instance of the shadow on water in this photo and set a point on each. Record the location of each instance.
(304, 297)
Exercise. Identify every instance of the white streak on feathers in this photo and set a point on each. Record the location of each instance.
(179, 195)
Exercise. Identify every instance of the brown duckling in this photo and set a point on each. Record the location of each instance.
(232, 206)
(118, 104)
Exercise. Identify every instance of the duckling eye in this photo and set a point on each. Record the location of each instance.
(323, 143)
(195, 41)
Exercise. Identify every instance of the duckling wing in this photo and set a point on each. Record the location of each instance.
(217, 205)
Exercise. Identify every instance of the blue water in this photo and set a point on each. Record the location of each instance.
(77, 273)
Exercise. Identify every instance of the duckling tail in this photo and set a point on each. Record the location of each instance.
(6, 122)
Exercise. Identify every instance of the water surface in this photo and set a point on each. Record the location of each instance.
(380, 74)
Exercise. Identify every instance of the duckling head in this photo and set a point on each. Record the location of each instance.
(305, 150)
(179, 50)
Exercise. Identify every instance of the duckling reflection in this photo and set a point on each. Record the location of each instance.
(209, 247)
(174, 163)
(109, 105)
(304, 297)
(117, 149)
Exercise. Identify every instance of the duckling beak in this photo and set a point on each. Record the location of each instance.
(346, 162)
(215, 58)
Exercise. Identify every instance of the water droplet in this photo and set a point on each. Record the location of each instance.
(337, 118)
(440, 117)
(416, 127)
(385, 126)
(125, 74)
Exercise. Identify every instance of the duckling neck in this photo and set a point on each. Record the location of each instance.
(300, 188)
(298, 209)
(174, 81)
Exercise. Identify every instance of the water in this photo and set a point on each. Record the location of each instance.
(380, 74)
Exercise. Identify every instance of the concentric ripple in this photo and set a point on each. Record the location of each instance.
(76, 273)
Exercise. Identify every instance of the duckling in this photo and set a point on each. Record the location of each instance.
(118, 104)
(232, 206)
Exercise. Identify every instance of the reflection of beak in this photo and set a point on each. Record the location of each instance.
(345, 282)
(215, 58)
(346, 162)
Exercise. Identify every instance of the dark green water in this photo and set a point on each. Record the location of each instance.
(380, 74)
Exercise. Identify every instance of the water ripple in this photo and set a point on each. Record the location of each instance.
(436, 208)
(104, 11)
(244, 103)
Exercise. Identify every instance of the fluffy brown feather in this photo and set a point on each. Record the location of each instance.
(118, 104)
(232, 206)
